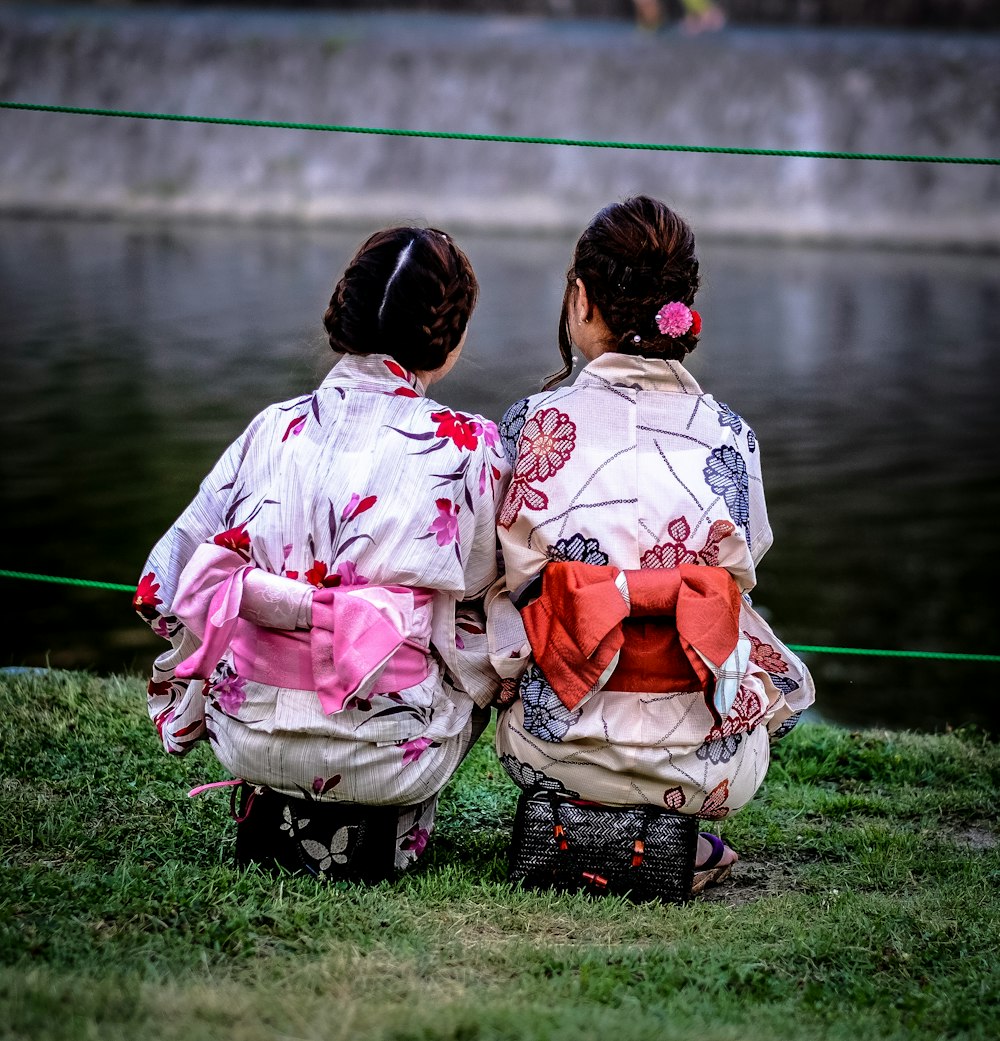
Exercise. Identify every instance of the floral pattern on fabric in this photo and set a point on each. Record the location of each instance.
(545, 716)
(338, 488)
(659, 474)
(545, 446)
(576, 547)
(511, 426)
(728, 418)
(528, 778)
(726, 475)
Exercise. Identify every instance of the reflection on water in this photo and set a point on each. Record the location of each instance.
(132, 355)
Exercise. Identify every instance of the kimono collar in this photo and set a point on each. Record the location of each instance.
(629, 370)
(375, 372)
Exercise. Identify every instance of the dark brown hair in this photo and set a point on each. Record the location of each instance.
(409, 293)
(634, 257)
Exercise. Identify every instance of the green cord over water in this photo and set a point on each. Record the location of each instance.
(68, 581)
(505, 138)
(798, 647)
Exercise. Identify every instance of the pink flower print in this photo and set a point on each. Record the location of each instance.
(445, 525)
(491, 435)
(230, 693)
(546, 443)
(145, 600)
(321, 786)
(294, 428)
(349, 574)
(161, 627)
(356, 506)
(414, 749)
(415, 839)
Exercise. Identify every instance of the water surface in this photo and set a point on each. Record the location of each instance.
(132, 354)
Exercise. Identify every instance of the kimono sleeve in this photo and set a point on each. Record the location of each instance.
(759, 534)
(176, 706)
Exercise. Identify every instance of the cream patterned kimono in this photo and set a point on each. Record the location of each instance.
(363, 482)
(635, 466)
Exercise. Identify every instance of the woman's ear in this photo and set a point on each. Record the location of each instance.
(582, 302)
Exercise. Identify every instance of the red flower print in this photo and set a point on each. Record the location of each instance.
(397, 370)
(673, 798)
(294, 428)
(714, 808)
(520, 495)
(235, 539)
(405, 392)
(145, 600)
(718, 532)
(668, 554)
(764, 655)
(546, 443)
(357, 506)
(463, 430)
(445, 525)
(745, 714)
(319, 576)
(157, 688)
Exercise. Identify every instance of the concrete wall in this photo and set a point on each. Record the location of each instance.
(912, 93)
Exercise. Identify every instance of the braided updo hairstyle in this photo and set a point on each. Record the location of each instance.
(634, 257)
(409, 293)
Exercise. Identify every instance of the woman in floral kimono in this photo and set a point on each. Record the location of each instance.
(322, 592)
(635, 669)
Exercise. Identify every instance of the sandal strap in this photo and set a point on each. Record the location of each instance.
(718, 851)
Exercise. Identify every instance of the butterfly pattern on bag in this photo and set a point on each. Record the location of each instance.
(324, 856)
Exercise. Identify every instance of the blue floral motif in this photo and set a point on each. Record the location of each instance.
(528, 778)
(726, 474)
(751, 440)
(728, 418)
(786, 728)
(545, 716)
(785, 684)
(721, 750)
(576, 547)
(511, 426)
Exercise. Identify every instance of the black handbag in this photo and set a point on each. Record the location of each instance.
(640, 852)
(332, 841)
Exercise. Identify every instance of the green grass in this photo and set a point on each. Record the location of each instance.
(865, 904)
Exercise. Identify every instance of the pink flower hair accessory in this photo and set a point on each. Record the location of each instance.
(675, 319)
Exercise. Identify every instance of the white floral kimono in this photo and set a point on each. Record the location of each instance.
(633, 465)
(363, 483)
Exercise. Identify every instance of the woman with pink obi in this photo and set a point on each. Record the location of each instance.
(636, 671)
(322, 593)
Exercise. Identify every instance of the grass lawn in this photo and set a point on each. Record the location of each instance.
(866, 904)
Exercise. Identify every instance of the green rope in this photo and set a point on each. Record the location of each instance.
(803, 648)
(506, 138)
(942, 655)
(68, 581)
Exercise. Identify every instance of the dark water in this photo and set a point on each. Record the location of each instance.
(131, 355)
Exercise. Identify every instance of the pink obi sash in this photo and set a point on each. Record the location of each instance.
(361, 640)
